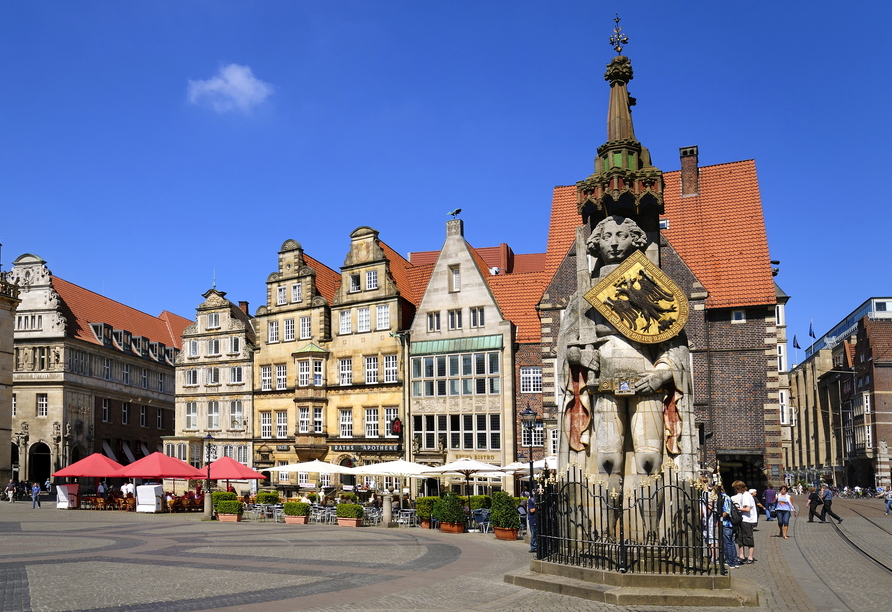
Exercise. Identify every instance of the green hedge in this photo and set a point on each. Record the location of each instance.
(349, 497)
(296, 508)
(218, 496)
(349, 511)
(266, 497)
(449, 509)
(312, 497)
(424, 506)
(228, 506)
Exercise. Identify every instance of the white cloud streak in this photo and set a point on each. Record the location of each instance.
(233, 88)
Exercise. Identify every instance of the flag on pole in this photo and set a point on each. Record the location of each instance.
(811, 329)
(796, 342)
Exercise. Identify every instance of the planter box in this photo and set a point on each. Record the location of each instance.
(503, 533)
(425, 523)
(349, 522)
(452, 527)
(229, 518)
(297, 520)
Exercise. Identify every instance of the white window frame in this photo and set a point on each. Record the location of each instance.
(236, 415)
(236, 375)
(738, 316)
(318, 373)
(266, 378)
(433, 321)
(281, 295)
(191, 413)
(213, 415)
(371, 423)
(191, 377)
(345, 372)
(477, 316)
(213, 345)
(363, 319)
(454, 279)
(454, 317)
(345, 322)
(382, 317)
(391, 368)
(125, 373)
(318, 419)
(346, 422)
(288, 331)
(144, 378)
(531, 379)
(107, 369)
(371, 370)
(306, 328)
(390, 415)
(297, 293)
(303, 373)
(193, 348)
(281, 376)
(303, 419)
(212, 376)
(281, 424)
(266, 425)
(371, 279)
(355, 286)
(272, 332)
(213, 320)
(235, 345)
(43, 405)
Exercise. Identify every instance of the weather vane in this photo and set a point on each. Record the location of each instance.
(618, 39)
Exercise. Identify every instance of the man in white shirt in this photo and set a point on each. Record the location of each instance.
(746, 545)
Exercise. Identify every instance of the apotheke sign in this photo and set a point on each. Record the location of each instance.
(363, 447)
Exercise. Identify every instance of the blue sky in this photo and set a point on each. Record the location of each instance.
(144, 145)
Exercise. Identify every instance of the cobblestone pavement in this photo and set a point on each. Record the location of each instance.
(53, 560)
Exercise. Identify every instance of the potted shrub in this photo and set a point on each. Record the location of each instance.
(296, 512)
(505, 518)
(348, 497)
(349, 515)
(480, 501)
(218, 496)
(266, 497)
(229, 510)
(450, 512)
(313, 497)
(424, 506)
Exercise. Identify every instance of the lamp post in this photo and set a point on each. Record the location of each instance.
(208, 501)
(528, 418)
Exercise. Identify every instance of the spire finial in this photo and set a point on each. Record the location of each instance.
(618, 39)
(215, 279)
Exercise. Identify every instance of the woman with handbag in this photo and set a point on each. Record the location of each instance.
(814, 501)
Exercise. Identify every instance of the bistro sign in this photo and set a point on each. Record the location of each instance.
(364, 447)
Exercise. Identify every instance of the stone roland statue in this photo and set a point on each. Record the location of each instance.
(625, 406)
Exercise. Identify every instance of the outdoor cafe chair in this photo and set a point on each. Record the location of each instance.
(481, 517)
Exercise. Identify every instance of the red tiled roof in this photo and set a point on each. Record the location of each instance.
(419, 277)
(87, 307)
(850, 354)
(422, 258)
(327, 280)
(529, 262)
(517, 295)
(495, 257)
(720, 233)
(399, 267)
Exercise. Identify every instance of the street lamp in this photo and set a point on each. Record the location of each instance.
(208, 501)
(528, 418)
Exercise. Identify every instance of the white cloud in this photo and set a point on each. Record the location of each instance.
(233, 88)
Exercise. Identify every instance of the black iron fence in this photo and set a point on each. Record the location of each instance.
(664, 524)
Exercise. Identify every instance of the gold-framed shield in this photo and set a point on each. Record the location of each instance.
(640, 301)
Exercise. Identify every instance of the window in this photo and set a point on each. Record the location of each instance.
(317, 372)
(143, 416)
(303, 419)
(282, 424)
(213, 376)
(191, 378)
(297, 294)
(346, 423)
(266, 425)
(235, 345)
(266, 378)
(346, 326)
(538, 432)
(272, 332)
(477, 317)
(781, 359)
(433, 321)
(354, 283)
(371, 370)
(13, 405)
(281, 295)
(454, 279)
(531, 380)
(345, 369)
(468, 374)
(213, 321)
(782, 401)
(106, 417)
(305, 328)
(125, 413)
(191, 415)
(242, 453)
(738, 316)
(159, 418)
(106, 369)
(455, 319)
(382, 317)
(363, 322)
(317, 419)
(236, 418)
(371, 279)
(213, 346)
(458, 431)
(144, 378)
(193, 348)
(390, 415)
(43, 404)
(125, 373)
(303, 373)
(779, 315)
(235, 375)
(390, 369)
(371, 422)
(281, 376)
(289, 330)
(553, 441)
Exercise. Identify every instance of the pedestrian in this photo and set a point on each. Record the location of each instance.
(784, 507)
(769, 496)
(531, 519)
(35, 495)
(100, 490)
(10, 490)
(731, 559)
(827, 498)
(758, 505)
(48, 485)
(887, 496)
(710, 511)
(747, 506)
(814, 500)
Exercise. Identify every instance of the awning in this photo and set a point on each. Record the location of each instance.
(128, 452)
(108, 451)
(456, 345)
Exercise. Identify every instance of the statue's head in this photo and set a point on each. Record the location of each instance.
(615, 238)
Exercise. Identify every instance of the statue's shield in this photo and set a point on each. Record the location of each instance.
(640, 301)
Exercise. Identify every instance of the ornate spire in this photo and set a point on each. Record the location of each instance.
(624, 181)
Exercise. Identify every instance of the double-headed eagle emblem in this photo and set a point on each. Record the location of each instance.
(640, 301)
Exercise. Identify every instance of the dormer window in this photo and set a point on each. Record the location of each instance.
(454, 279)
(354, 283)
(738, 316)
(213, 320)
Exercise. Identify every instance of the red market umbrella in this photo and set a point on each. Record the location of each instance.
(96, 465)
(159, 465)
(227, 468)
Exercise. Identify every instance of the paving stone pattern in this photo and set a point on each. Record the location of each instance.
(54, 560)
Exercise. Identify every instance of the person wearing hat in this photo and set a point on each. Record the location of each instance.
(758, 505)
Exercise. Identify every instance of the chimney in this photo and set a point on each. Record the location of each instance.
(690, 171)
(244, 306)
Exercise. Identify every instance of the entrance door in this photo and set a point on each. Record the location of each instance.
(39, 463)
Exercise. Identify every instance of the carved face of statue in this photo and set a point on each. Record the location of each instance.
(616, 242)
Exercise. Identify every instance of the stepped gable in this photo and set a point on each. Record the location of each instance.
(517, 295)
(327, 280)
(87, 307)
(720, 234)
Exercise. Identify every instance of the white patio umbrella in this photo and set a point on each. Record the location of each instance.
(315, 466)
(464, 467)
(398, 469)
